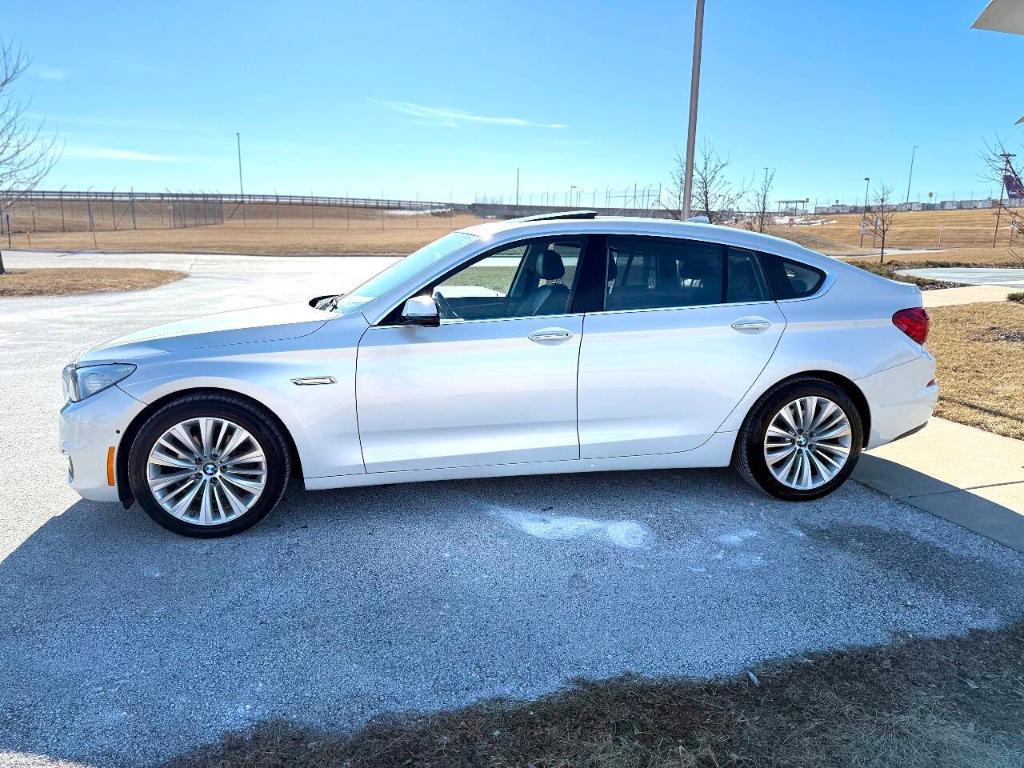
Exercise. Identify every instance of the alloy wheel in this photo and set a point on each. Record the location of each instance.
(807, 443)
(206, 470)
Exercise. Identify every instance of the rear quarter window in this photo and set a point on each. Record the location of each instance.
(789, 279)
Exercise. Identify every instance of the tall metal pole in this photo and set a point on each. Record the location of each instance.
(241, 189)
(911, 174)
(999, 206)
(867, 180)
(691, 131)
(517, 187)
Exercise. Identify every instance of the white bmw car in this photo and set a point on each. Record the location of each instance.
(560, 343)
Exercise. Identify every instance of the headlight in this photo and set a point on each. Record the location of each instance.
(85, 381)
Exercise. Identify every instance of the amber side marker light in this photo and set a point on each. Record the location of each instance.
(110, 465)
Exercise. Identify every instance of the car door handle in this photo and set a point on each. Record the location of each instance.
(752, 324)
(550, 334)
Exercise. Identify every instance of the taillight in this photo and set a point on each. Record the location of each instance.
(913, 322)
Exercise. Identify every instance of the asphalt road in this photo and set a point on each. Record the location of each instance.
(121, 643)
(1008, 277)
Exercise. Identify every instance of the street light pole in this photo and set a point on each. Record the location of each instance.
(867, 180)
(241, 189)
(691, 131)
(911, 174)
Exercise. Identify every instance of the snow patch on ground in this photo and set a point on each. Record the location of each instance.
(621, 533)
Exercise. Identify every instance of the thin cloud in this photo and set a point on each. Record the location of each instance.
(127, 123)
(452, 118)
(107, 153)
(46, 72)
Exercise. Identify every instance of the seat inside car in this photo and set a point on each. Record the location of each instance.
(743, 283)
(551, 297)
(700, 278)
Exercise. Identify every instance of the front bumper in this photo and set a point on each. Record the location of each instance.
(88, 430)
(900, 399)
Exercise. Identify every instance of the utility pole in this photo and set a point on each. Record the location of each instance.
(911, 174)
(867, 180)
(691, 131)
(517, 188)
(1007, 157)
(241, 189)
(62, 229)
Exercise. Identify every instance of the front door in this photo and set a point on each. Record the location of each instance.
(495, 383)
(687, 327)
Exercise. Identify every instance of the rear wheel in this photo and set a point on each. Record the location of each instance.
(207, 466)
(801, 440)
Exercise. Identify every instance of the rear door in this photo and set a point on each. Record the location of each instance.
(686, 328)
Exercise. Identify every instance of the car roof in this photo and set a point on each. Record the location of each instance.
(513, 229)
(496, 233)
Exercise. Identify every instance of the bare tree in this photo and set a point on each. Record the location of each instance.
(994, 155)
(713, 195)
(999, 168)
(759, 200)
(26, 155)
(880, 216)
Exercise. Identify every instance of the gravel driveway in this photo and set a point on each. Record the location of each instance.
(121, 643)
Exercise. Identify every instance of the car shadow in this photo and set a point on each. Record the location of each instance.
(969, 510)
(121, 643)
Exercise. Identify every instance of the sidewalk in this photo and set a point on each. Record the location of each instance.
(962, 474)
(969, 294)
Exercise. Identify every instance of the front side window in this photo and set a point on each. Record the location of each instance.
(401, 271)
(528, 279)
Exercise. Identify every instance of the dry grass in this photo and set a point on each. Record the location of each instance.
(980, 353)
(936, 703)
(966, 238)
(328, 230)
(956, 257)
(920, 229)
(284, 230)
(67, 281)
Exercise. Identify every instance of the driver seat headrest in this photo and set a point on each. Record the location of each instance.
(549, 265)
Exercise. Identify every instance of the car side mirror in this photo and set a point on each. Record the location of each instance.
(421, 310)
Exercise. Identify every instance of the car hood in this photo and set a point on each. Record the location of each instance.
(246, 326)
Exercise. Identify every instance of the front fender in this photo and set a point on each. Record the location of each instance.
(321, 419)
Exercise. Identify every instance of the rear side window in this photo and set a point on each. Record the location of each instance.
(790, 279)
(744, 281)
(651, 273)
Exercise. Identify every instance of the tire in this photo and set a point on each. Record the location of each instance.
(814, 450)
(226, 499)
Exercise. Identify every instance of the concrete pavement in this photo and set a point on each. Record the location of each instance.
(1005, 277)
(969, 294)
(962, 474)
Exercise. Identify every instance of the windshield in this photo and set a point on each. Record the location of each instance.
(401, 271)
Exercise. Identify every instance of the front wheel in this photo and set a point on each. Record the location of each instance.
(801, 440)
(207, 466)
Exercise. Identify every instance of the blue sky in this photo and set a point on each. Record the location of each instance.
(449, 98)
